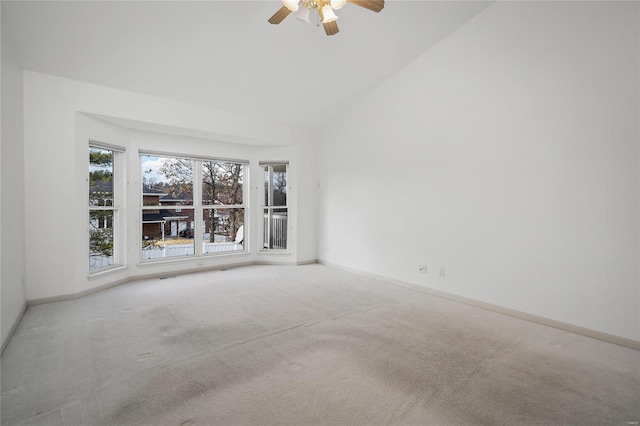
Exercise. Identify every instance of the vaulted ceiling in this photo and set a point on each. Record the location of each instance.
(225, 55)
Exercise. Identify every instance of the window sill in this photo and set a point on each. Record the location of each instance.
(112, 270)
(205, 257)
(275, 252)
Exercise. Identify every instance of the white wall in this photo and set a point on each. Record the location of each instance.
(11, 186)
(507, 154)
(61, 115)
(307, 188)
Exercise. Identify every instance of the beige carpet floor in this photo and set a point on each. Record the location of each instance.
(309, 345)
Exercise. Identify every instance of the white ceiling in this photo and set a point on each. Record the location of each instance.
(225, 55)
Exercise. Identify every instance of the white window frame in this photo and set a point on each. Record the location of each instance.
(197, 205)
(117, 207)
(266, 230)
(202, 207)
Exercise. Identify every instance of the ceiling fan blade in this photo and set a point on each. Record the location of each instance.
(279, 16)
(331, 28)
(373, 5)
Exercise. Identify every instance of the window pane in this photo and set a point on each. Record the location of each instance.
(167, 181)
(275, 229)
(167, 232)
(223, 230)
(100, 177)
(222, 183)
(279, 185)
(100, 239)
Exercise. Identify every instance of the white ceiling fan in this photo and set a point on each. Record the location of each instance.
(324, 8)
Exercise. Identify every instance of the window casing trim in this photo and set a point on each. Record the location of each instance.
(117, 208)
(198, 207)
(153, 153)
(267, 206)
(104, 145)
(274, 163)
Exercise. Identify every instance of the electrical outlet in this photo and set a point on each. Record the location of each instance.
(422, 269)
(442, 272)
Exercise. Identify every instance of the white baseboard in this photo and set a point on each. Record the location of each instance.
(587, 332)
(121, 281)
(14, 327)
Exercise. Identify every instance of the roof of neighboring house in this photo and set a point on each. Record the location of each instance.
(161, 216)
(101, 186)
(152, 217)
(170, 199)
(152, 191)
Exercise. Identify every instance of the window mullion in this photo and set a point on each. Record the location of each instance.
(197, 204)
(116, 236)
(270, 185)
(269, 210)
(270, 226)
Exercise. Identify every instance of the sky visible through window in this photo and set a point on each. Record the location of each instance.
(151, 169)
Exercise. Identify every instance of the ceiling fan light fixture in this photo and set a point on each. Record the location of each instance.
(303, 15)
(292, 5)
(328, 15)
(324, 9)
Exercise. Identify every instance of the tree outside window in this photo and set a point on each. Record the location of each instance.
(103, 211)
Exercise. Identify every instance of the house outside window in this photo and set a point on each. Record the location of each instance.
(275, 211)
(105, 197)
